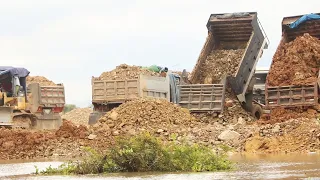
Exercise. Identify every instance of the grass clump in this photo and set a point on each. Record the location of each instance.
(144, 153)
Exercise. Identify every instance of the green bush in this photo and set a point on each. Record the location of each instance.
(68, 107)
(146, 153)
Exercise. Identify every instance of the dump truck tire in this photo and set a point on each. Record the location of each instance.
(257, 111)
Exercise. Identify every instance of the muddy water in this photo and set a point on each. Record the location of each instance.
(306, 166)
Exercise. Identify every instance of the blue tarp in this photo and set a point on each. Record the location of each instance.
(20, 72)
(303, 19)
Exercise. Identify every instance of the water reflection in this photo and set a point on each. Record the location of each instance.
(248, 166)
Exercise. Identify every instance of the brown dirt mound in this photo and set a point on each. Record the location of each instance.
(279, 115)
(68, 129)
(167, 121)
(297, 135)
(296, 62)
(28, 144)
(41, 80)
(125, 71)
(145, 114)
(219, 64)
(79, 116)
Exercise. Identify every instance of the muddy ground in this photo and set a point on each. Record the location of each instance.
(287, 131)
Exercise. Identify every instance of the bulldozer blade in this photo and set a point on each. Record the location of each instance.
(6, 116)
(22, 121)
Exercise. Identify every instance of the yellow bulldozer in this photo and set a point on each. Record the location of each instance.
(33, 106)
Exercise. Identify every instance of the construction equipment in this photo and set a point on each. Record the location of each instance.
(295, 95)
(34, 106)
(108, 94)
(233, 31)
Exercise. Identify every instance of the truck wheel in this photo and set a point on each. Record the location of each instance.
(257, 111)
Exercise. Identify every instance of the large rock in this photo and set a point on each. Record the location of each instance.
(92, 136)
(228, 135)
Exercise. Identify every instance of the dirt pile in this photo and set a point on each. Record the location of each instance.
(27, 144)
(155, 115)
(41, 80)
(169, 122)
(287, 130)
(296, 62)
(79, 116)
(125, 71)
(295, 135)
(220, 63)
(68, 129)
(280, 114)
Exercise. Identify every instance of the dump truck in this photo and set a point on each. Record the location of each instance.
(108, 94)
(295, 95)
(226, 32)
(32, 106)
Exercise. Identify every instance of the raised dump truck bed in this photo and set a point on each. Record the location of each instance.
(234, 31)
(294, 95)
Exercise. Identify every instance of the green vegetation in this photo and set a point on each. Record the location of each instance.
(68, 107)
(146, 153)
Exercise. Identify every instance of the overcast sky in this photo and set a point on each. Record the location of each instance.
(68, 41)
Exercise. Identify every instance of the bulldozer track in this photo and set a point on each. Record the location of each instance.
(23, 121)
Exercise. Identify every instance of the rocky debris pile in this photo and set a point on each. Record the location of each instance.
(125, 71)
(295, 135)
(278, 129)
(233, 109)
(280, 114)
(220, 63)
(170, 122)
(155, 115)
(296, 62)
(41, 80)
(78, 116)
(68, 129)
(27, 144)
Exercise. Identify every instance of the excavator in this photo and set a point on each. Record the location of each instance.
(32, 106)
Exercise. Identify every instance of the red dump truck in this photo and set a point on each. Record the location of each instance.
(225, 32)
(295, 95)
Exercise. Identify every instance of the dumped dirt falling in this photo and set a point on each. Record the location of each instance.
(296, 62)
(219, 64)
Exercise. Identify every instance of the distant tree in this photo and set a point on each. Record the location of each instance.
(69, 107)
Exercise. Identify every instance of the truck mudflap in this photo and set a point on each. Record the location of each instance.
(202, 97)
(48, 121)
(292, 96)
(94, 117)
